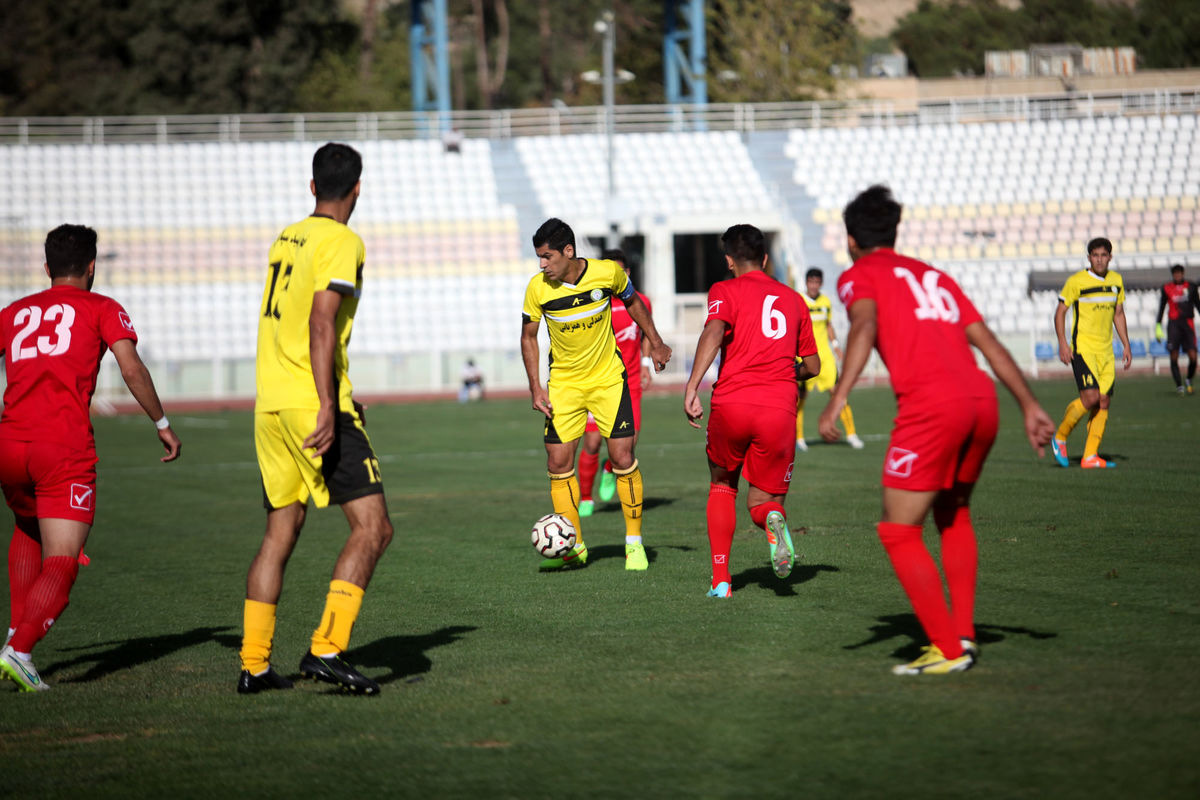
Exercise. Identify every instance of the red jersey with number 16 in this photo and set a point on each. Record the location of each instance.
(767, 327)
(922, 316)
(52, 344)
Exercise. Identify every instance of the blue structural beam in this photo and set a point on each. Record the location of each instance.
(430, 58)
(685, 70)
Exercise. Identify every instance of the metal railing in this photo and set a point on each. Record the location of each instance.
(564, 120)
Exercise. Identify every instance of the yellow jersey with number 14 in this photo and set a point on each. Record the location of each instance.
(1093, 302)
(315, 254)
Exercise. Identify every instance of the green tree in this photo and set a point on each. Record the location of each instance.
(776, 50)
(1167, 33)
(163, 56)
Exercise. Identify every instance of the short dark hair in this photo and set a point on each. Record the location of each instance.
(1099, 241)
(615, 254)
(745, 244)
(69, 250)
(814, 273)
(555, 234)
(872, 218)
(336, 168)
(1176, 268)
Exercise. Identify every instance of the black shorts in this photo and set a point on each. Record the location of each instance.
(1181, 335)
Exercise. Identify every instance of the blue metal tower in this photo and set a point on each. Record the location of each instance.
(430, 57)
(685, 72)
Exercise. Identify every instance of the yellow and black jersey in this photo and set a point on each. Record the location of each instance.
(315, 254)
(1093, 302)
(821, 313)
(578, 316)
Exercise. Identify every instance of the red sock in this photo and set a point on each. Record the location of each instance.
(922, 583)
(45, 602)
(960, 562)
(607, 465)
(759, 513)
(721, 513)
(588, 464)
(24, 566)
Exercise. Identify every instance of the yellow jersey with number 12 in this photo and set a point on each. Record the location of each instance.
(315, 254)
(1093, 301)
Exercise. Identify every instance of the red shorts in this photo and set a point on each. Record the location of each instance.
(756, 439)
(934, 447)
(48, 481)
(635, 397)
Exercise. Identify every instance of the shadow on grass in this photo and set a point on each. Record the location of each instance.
(404, 655)
(601, 552)
(766, 578)
(126, 653)
(614, 506)
(906, 626)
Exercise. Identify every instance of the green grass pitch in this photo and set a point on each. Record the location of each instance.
(501, 682)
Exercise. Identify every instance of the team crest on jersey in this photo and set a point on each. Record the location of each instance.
(82, 497)
(597, 295)
(126, 322)
(899, 462)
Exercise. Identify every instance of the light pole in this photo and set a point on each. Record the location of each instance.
(609, 79)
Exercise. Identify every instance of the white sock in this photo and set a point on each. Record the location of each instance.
(633, 540)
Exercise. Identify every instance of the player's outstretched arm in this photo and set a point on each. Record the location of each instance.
(322, 338)
(859, 342)
(141, 386)
(1122, 327)
(660, 354)
(706, 352)
(1065, 354)
(529, 354)
(1039, 428)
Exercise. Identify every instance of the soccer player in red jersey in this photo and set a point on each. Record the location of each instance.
(760, 326)
(635, 353)
(1180, 300)
(923, 326)
(52, 343)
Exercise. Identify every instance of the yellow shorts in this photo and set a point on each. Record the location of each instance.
(1095, 369)
(826, 378)
(348, 470)
(610, 405)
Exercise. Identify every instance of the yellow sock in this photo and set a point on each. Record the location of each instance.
(1075, 412)
(342, 603)
(564, 494)
(1095, 432)
(258, 629)
(847, 418)
(629, 489)
(800, 418)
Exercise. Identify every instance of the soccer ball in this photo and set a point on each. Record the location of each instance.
(553, 536)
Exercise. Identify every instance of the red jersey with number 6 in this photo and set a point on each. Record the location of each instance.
(52, 344)
(767, 327)
(922, 316)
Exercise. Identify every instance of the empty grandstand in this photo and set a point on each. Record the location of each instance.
(994, 191)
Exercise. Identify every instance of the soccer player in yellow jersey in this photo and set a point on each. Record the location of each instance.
(820, 309)
(1096, 297)
(586, 375)
(309, 433)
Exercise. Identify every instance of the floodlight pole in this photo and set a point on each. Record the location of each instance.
(610, 45)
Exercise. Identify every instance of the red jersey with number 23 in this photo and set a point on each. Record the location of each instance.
(767, 327)
(52, 344)
(922, 316)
